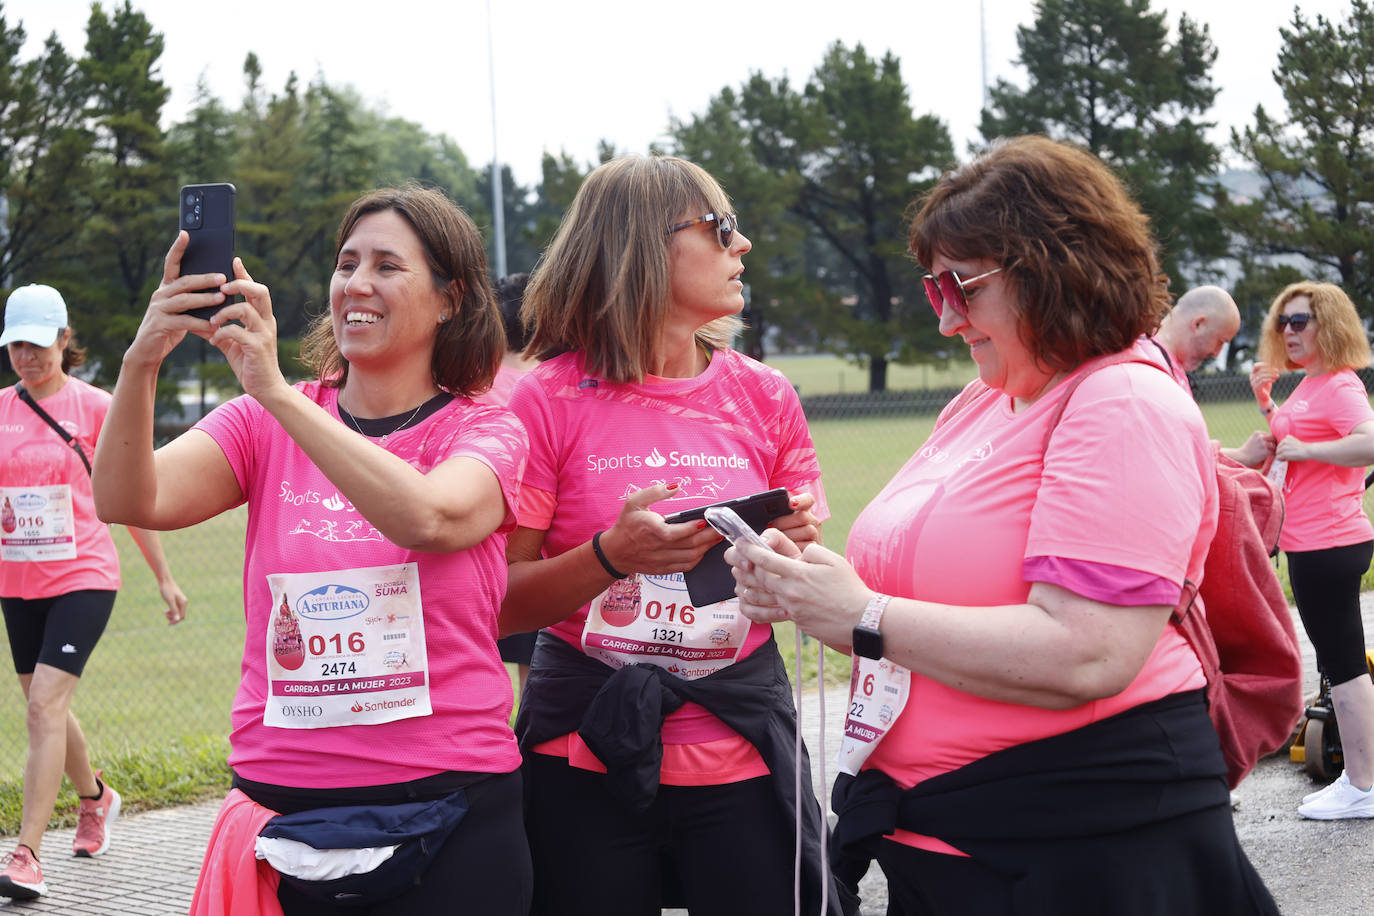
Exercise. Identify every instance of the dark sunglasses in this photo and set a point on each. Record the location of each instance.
(726, 224)
(947, 288)
(1298, 321)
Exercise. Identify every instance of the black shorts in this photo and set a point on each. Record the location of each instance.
(60, 631)
(517, 648)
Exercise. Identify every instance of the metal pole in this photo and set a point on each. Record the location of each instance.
(983, 48)
(498, 206)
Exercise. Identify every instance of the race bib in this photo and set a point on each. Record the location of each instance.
(650, 620)
(37, 524)
(878, 691)
(346, 648)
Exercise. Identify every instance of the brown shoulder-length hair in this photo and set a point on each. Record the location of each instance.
(1341, 338)
(469, 346)
(73, 354)
(603, 285)
(1075, 247)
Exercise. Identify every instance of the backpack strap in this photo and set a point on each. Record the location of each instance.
(57, 427)
(1081, 375)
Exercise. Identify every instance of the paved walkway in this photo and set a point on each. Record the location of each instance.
(1313, 868)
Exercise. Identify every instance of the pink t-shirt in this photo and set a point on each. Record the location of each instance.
(1154, 350)
(1323, 503)
(299, 522)
(736, 429)
(1128, 481)
(502, 386)
(32, 454)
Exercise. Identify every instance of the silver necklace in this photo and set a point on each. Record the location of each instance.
(404, 423)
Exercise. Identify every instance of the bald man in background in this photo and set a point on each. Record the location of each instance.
(1202, 321)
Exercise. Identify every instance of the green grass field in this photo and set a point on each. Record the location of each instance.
(155, 699)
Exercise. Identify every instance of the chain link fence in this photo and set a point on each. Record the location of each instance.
(150, 685)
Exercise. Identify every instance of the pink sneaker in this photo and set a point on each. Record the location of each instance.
(93, 823)
(22, 878)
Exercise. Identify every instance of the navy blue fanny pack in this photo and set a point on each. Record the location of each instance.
(418, 829)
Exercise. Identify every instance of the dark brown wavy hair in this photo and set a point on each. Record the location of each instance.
(469, 346)
(1070, 240)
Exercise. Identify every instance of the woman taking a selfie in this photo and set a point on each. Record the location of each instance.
(657, 730)
(378, 495)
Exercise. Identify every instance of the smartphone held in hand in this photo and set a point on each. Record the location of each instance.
(731, 527)
(207, 214)
(711, 579)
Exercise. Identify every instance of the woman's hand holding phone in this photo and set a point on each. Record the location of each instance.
(164, 324)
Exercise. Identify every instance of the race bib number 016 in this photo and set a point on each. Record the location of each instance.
(346, 648)
(37, 524)
(651, 620)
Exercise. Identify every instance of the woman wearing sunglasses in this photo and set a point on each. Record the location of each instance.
(1325, 434)
(658, 735)
(1028, 733)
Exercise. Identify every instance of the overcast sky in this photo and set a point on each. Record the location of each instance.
(569, 72)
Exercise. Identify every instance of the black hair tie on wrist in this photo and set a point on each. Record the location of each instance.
(601, 557)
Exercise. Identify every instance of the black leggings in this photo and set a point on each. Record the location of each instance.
(727, 849)
(483, 868)
(1326, 587)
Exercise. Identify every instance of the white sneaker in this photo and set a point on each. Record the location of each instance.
(1344, 800)
(1342, 780)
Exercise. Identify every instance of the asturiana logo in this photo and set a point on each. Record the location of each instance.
(30, 502)
(332, 602)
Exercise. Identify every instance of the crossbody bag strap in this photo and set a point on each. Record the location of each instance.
(57, 427)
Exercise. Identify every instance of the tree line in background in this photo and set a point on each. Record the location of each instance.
(823, 173)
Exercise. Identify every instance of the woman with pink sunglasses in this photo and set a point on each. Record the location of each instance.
(1027, 731)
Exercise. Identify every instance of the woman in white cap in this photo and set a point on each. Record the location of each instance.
(58, 570)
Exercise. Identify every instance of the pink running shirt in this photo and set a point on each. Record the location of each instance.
(736, 429)
(1323, 503)
(299, 522)
(32, 454)
(502, 387)
(1128, 481)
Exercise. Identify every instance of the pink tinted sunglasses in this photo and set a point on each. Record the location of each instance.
(948, 289)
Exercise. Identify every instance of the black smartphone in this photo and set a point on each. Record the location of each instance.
(207, 215)
(710, 580)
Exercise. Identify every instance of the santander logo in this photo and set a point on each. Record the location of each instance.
(655, 459)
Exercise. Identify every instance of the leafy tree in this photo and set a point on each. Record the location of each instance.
(44, 160)
(519, 212)
(560, 177)
(202, 148)
(844, 158)
(134, 210)
(1104, 74)
(1317, 164)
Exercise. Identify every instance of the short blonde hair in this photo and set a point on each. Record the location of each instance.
(604, 283)
(1341, 341)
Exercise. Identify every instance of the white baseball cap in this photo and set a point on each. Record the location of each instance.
(35, 313)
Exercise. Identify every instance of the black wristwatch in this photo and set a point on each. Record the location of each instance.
(867, 639)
